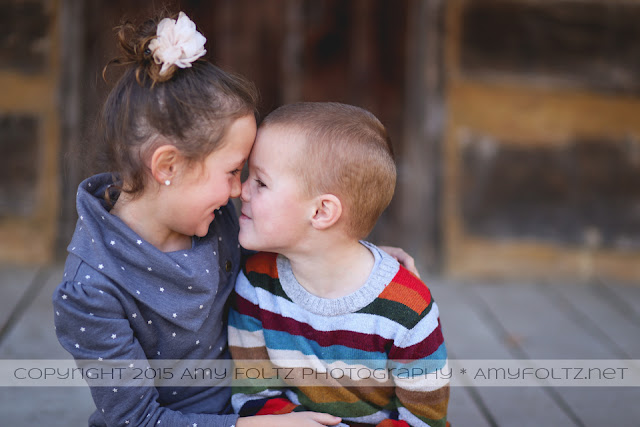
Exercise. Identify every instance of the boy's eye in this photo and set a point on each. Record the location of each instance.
(260, 183)
(235, 172)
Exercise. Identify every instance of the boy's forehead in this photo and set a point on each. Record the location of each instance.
(277, 148)
(279, 140)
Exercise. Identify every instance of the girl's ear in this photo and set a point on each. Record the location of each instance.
(328, 210)
(164, 163)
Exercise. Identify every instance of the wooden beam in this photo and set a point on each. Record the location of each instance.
(418, 191)
(71, 115)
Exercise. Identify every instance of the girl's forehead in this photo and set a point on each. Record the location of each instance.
(232, 154)
(238, 141)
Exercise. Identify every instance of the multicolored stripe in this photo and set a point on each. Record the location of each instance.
(398, 333)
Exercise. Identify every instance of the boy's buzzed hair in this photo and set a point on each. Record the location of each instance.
(347, 153)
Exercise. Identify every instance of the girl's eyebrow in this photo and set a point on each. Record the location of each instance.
(241, 163)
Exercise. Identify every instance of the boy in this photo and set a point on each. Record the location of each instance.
(343, 328)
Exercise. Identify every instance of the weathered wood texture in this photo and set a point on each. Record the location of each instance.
(15, 282)
(589, 44)
(542, 141)
(483, 320)
(29, 130)
(418, 215)
(471, 332)
(514, 122)
(73, 116)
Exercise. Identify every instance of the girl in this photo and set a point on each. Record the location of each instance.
(155, 252)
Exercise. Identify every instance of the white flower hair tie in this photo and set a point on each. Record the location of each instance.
(177, 43)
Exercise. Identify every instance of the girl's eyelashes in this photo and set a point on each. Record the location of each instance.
(235, 172)
(260, 183)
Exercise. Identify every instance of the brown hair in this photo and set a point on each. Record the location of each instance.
(191, 107)
(347, 152)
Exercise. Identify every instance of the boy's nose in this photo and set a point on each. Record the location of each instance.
(244, 196)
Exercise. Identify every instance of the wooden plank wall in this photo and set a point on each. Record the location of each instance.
(29, 128)
(514, 121)
(542, 145)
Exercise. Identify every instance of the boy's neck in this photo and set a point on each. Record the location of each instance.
(333, 271)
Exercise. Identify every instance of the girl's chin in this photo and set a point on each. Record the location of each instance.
(204, 230)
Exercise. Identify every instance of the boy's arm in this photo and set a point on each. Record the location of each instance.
(256, 388)
(421, 374)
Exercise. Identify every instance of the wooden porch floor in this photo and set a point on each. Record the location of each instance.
(598, 320)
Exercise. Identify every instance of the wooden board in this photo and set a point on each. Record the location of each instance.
(542, 330)
(46, 406)
(600, 316)
(14, 282)
(470, 334)
(33, 337)
(626, 297)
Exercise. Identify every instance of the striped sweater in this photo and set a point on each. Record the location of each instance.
(374, 357)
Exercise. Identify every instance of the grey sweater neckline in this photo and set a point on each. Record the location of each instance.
(384, 270)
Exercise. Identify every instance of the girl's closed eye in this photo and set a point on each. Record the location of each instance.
(260, 183)
(235, 172)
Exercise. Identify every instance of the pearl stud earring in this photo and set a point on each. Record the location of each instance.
(167, 183)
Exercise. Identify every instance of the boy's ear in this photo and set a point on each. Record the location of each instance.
(328, 210)
(164, 163)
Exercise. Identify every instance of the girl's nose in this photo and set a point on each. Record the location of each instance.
(236, 187)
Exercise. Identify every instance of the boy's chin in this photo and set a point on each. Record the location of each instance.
(247, 243)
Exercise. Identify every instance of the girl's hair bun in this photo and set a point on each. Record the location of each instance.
(159, 46)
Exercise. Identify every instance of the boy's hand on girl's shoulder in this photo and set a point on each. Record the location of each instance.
(403, 258)
(293, 419)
